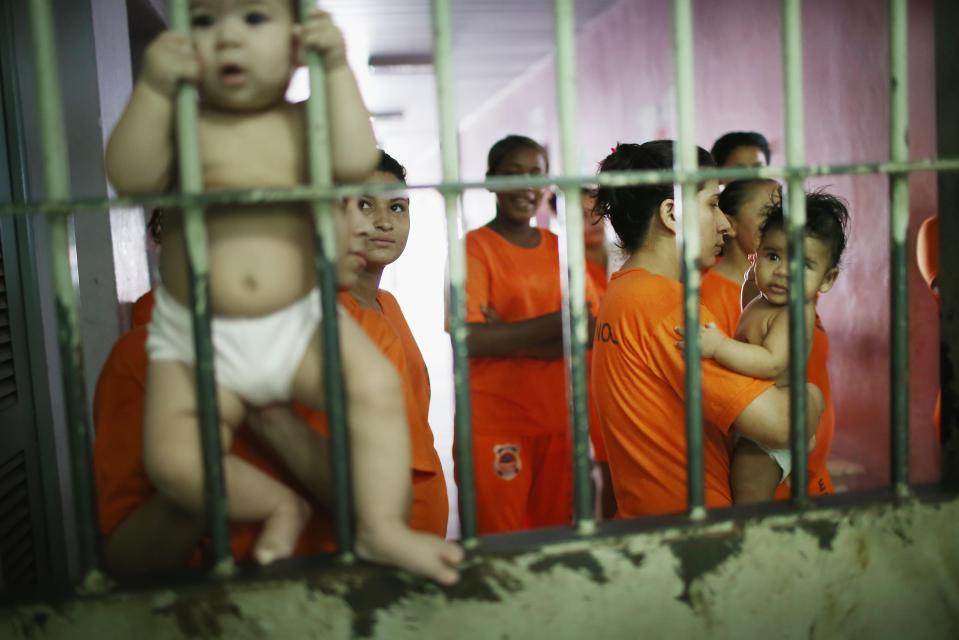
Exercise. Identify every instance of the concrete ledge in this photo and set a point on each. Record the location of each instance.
(883, 570)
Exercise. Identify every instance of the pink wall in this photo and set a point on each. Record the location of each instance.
(626, 93)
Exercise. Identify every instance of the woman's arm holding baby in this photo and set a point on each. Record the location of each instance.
(140, 153)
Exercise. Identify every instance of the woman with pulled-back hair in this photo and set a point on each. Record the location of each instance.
(521, 434)
(638, 371)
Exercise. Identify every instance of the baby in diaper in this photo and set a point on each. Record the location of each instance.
(761, 345)
(262, 277)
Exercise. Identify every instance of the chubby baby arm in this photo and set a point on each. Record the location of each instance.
(353, 143)
(139, 155)
(768, 360)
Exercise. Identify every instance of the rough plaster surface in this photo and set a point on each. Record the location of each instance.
(884, 571)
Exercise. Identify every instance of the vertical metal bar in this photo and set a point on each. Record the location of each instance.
(574, 304)
(686, 159)
(795, 211)
(321, 175)
(57, 181)
(449, 147)
(191, 181)
(898, 228)
(947, 146)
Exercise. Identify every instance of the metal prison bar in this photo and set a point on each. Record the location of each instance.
(795, 210)
(321, 192)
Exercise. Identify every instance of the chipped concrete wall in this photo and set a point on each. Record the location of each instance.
(880, 571)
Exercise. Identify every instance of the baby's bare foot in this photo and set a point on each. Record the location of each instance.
(281, 531)
(420, 553)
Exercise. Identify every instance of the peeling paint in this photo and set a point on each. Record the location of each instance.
(582, 561)
(823, 530)
(699, 556)
(201, 617)
(882, 570)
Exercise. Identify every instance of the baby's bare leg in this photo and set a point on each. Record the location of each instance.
(380, 456)
(754, 475)
(173, 460)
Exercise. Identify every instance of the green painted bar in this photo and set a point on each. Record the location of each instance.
(194, 224)
(685, 159)
(449, 148)
(612, 179)
(795, 211)
(321, 176)
(574, 298)
(899, 228)
(57, 181)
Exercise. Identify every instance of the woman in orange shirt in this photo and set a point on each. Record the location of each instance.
(389, 216)
(927, 257)
(638, 371)
(521, 434)
(744, 202)
(144, 532)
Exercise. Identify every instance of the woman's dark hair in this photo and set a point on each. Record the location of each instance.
(735, 194)
(155, 225)
(729, 142)
(389, 164)
(827, 220)
(630, 209)
(502, 148)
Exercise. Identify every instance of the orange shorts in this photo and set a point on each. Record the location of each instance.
(522, 482)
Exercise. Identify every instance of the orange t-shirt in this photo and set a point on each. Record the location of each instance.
(927, 250)
(417, 373)
(517, 396)
(430, 509)
(927, 256)
(597, 274)
(723, 298)
(143, 309)
(122, 484)
(638, 374)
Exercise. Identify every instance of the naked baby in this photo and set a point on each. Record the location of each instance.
(263, 290)
(761, 345)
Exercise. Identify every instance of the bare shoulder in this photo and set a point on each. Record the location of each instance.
(756, 319)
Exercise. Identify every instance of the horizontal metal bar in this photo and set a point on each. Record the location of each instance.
(618, 179)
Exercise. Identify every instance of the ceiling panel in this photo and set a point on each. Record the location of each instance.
(494, 41)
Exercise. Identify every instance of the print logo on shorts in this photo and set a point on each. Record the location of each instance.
(506, 461)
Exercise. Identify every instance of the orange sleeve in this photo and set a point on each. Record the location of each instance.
(725, 393)
(724, 299)
(478, 278)
(927, 250)
(430, 507)
(121, 482)
(143, 309)
(595, 429)
(597, 275)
